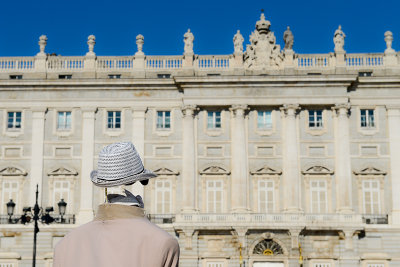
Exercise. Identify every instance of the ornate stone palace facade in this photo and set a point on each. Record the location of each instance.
(265, 157)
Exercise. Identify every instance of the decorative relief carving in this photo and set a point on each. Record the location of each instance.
(62, 171)
(214, 170)
(266, 170)
(263, 52)
(165, 171)
(189, 110)
(317, 170)
(12, 171)
(369, 171)
(268, 247)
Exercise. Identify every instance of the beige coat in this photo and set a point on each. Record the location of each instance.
(119, 236)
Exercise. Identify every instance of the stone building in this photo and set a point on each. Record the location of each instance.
(265, 157)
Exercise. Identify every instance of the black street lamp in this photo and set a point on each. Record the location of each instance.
(37, 214)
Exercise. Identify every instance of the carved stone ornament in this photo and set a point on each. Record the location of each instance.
(139, 44)
(268, 247)
(165, 171)
(266, 171)
(188, 39)
(238, 42)
(288, 38)
(214, 170)
(189, 110)
(389, 40)
(317, 170)
(263, 52)
(62, 171)
(338, 39)
(370, 171)
(42, 44)
(12, 171)
(91, 42)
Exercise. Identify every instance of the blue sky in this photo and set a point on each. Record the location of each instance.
(115, 23)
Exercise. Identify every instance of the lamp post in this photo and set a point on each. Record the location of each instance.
(37, 214)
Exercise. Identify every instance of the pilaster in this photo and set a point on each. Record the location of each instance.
(239, 160)
(85, 213)
(189, 160)
(291, 168)
(342, 159)
(36, 173)
(138, 132)
(393, 114)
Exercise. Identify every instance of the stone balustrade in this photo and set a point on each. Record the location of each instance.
(269, 219)
(220, 63)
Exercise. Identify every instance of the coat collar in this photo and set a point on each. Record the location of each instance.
(116, 211)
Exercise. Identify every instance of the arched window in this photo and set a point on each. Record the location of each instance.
(268, 247)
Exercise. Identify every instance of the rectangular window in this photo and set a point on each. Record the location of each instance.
(14, 120)
(7, 264)
(321, 264)
(114, 76)
(64, 120)
(61, 191)
(67, 77)
(114, 119)
(214, 120)
(15, 77)
(265, 196)
(10, 191)
(163, 193)
(371, 196)
(215, 264)
(319, 198)
(163, 120)
(367, 118)
(315, 119)
(214, 191)
(375, 265)
(264, 120)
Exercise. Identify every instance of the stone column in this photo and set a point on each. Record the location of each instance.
(36, 173)
(138, 128)
(291, 168)
(342, 159)
(85, 213)
(239, 160)
(394, 142)
(189, 160)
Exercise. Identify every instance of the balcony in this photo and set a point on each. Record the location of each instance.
(375, 218)
(21, 219)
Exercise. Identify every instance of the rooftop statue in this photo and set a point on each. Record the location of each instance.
(139, 44)
(288, 38)
(238, 42)
(262, 52)
(338, 39)
(188, 39)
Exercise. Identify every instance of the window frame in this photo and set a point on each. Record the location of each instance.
(318, 191)
(167, 175)
(317, 119)
(65, 117)
(367, 119)
(113, 131)
(368, 130)
(13, 132)
(164, 117)
(216, 126)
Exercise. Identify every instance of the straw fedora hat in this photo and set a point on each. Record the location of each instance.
(119, 164)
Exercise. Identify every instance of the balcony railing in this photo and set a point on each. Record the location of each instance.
(16, 219)
(161, 218)
(375, 218)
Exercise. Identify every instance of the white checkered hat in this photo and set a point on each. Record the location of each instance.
(119, 164)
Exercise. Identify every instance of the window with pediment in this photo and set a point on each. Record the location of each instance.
(318, 185)
(265, 189)
(12, 180)
(214, 189)
(163, 190)
(61, 186)
(370, 182)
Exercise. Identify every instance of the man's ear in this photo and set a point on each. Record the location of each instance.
(144, 182)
